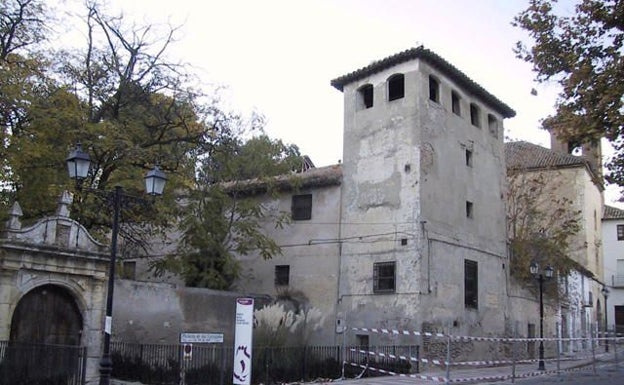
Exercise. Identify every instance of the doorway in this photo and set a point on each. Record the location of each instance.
(47, 314)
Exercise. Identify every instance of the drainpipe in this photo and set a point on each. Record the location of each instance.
(426, 237)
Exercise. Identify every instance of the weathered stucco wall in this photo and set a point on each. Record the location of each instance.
(405, 187)
(148, 313)
(310, 248)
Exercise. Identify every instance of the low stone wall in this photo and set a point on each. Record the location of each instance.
(156, 313)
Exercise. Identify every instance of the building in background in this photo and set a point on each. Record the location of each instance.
(557, 180)
(613, 244)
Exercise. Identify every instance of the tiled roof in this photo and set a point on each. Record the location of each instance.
(436, 61)
(312, 177)
(611, 212)
(528, 156)
(525, 156)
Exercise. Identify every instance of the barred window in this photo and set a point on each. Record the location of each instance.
(384, 277)
(471, 284)
(302, 207)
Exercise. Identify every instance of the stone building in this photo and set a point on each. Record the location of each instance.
(573, 183)
(409, 231)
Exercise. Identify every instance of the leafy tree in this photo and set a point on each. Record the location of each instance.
(119, 96)
(22, 25)
(221, 221)
(130, 107)
(582, 52)
(541, 222)
(22, 75)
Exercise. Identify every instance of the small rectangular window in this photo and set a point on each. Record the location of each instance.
(620, 232)
(468, 158)
(455, 103)
(282, 275)
(302, 207)
(469, 210)
(475, 115)
(434, 89)
(396, 87)
(384, 277)
(362, 341)
(471, 284)
(128, 270)
(619, 273)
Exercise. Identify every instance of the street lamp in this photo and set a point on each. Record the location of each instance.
(605, 293)
(548, 273)
(78, 163)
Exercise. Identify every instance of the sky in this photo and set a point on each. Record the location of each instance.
(277, 57)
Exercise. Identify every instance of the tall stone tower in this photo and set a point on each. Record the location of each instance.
(423, 214)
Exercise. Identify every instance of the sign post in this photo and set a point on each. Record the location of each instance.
(243, 341)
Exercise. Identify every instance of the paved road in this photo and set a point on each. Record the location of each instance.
(606, 374)
(577, 373)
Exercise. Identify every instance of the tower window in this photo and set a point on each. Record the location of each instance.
(493, 125)
(396, 87)
(469, 209)
(302, 207)
(455, 103)
(468, 158)
(475, 115)
(365, 94)
(434, 89)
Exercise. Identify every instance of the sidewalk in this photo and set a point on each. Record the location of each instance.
(482, 375)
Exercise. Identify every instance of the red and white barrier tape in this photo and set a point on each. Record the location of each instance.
(468, 379)
(458, 363)
(467, 338)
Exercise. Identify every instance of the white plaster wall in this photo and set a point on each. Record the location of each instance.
(613, 250)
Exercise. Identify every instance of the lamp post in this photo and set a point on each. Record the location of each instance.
(78, 164)
(605, 293)
(548, 273)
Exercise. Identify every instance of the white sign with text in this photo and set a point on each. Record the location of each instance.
(201, 338)
(243, 341)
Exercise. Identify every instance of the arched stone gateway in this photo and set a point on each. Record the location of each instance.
(47, 314)
(53, 278)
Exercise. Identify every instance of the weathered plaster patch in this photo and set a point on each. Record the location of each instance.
(385, 193)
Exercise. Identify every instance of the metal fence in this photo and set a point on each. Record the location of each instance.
(38, 364)
(212, 364)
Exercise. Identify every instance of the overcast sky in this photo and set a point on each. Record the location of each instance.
(277, 57)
